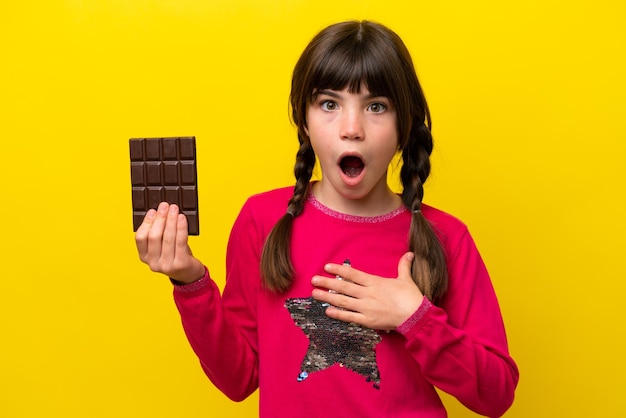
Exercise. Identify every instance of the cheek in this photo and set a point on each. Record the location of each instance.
(390, 139)
(389, 148)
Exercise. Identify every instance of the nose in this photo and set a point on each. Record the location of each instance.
(352, 125)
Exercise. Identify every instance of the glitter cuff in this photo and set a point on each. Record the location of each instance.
(193, 286)
(406, 326)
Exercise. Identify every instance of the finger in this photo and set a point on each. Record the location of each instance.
(155, 235)
(346, 272)
(404, 266)
(335, 286)
(168, 249)
(141, 235)
(181, 236)
(336, 299)
(345, 315)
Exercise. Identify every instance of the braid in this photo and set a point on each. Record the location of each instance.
(429, 268)
(415, 168)
(303, 170)
(276, 268)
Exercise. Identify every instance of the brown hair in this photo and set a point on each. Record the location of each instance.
(354, 54)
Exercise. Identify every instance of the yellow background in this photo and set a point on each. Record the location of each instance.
(529, 121)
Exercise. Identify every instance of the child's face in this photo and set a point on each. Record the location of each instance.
(354, 136)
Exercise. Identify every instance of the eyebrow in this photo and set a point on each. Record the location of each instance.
(334, 94)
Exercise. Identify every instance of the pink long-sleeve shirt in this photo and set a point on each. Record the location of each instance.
(307, 365)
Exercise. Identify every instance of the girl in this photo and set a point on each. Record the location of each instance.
(413, 309)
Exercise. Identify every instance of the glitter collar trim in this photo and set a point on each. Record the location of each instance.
(354, 218)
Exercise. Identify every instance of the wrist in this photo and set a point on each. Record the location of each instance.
(192, 287)
(191, 275)
(416, 317)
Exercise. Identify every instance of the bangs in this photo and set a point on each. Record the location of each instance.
(351, 65)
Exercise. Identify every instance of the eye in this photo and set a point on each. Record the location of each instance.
(377, 107)
(328, 105)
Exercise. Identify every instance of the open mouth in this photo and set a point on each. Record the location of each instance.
(351, 166)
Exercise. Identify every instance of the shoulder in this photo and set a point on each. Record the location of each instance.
(258, 216)
(265, 209)
(448, 228)
(275, 200)
(442, 220)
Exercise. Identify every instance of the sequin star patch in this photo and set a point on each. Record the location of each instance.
(334, 342)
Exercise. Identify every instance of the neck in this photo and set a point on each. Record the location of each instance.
(376, 203)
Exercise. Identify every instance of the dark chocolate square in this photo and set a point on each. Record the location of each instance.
(164, 170)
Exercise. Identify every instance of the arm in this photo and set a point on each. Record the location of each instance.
(461, 346)
(226, 356)
(480, 376)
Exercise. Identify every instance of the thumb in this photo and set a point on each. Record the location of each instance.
(404, 266)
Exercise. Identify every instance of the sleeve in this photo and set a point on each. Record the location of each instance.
(221, 329)
(461, 346)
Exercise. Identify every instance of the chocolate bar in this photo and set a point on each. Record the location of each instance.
(164, 170)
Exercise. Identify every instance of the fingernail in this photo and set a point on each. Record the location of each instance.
(162, 207)
(173, 209)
